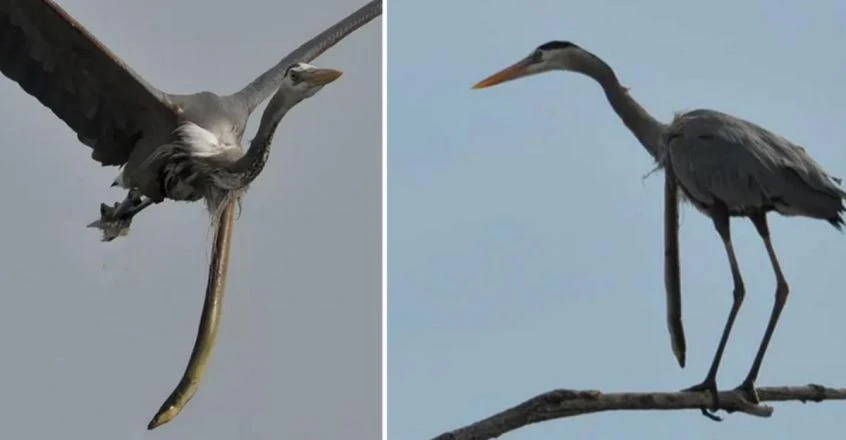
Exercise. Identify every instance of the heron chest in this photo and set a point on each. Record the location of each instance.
(178, 169)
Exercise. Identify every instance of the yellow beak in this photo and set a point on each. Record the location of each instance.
(321, 77)
(509, 73)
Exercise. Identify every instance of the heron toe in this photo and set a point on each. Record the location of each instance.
(708, 385)
(115, 228)
(134, 196)
(107, 211)
(747, 388)
(111, 226)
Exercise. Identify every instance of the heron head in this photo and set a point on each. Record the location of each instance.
(555, 55)
(304, 80)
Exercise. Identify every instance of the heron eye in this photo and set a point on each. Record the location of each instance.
(295, 76)
(537, 56)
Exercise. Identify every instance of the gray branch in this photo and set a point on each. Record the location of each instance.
(568, 403)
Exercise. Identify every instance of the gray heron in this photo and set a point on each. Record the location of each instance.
(723, 165)
(169, 146)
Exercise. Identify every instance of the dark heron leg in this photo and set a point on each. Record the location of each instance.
(115, 220)
(748, 384)
(720, 216)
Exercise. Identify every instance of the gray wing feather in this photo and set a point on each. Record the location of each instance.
(715, 155)
(258, 90)
(53, 58)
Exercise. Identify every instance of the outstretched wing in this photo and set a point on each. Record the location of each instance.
(258, 90)
(53, 58)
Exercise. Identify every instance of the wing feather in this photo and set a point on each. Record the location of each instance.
(53, 58)
(715, 155)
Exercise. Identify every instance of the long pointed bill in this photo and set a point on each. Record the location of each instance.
(321, 77)
(514, 71)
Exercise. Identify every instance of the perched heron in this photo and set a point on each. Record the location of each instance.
(179, 147)
(726, 167)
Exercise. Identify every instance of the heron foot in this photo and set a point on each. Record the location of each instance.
(114, 220)
(112, 224)
(747, 388)
(708, 385)
(134, 197)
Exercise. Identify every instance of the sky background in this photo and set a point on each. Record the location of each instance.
(526, 249)
(96, 335)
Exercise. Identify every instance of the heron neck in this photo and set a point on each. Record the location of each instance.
(250, 165)
(260, 88)
(646, 129)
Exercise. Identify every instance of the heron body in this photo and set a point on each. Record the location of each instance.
(127, 122)
(726, 167)
(193, 143)
(206, 128)
(718, 158)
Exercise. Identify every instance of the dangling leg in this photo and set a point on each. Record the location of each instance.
(720, 216)
(115, 220)
(748, 384)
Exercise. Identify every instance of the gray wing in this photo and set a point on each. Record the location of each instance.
(261, 88)
(53, 58)
(715, 155)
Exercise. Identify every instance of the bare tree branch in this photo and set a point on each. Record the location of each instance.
(567, 403)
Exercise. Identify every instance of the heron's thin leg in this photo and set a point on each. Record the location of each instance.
(720, 217)
(136, 208)
(133, 199)
(782, 290)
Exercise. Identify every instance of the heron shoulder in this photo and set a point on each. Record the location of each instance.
(732, 133)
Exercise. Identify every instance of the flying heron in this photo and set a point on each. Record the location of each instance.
(726, 167)
(169, 146)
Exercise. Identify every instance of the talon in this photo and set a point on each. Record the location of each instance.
(749, 392)
(711, 415)
(106, 210)
(708, 385)
(111, 225)
(112, 228)
(134, 195)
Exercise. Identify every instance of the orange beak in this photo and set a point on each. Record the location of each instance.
(509, 73)
(321, 77)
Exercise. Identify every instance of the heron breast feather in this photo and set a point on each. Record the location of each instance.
(203, 143)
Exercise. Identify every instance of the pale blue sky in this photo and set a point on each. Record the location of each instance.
(525, 248)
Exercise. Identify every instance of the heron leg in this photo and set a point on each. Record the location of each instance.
(720, 216)
(782, 290)
(115, 220)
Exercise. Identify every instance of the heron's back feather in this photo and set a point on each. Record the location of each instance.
(750, 169)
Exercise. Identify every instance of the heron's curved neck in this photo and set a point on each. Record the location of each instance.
(260, 88)
(243, 171)
(647, 129)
